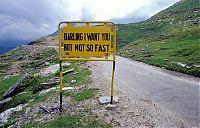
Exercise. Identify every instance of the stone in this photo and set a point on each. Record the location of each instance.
(73, 81)
(6, 114)
(181, 64)
(111, 106)
(106, 99)
(31, 100)
(67, 88)
(75, 73)
(49, 70)
(66, 65)
(12, 89)
(21, 93)
(116, 99)
(68, 71)
(43, 109)
(5, 101)
(47, 63)
(45, 91)
(42, 86)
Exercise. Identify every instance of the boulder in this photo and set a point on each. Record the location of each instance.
(111, 106)
(12, 90)
(6, 114)
(106, 99)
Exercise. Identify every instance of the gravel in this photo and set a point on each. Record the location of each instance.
(131, 111)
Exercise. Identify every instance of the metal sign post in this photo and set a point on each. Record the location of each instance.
(87, 41)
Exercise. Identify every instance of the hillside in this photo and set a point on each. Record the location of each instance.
(29, 93)
(169, 39)
(29, 89)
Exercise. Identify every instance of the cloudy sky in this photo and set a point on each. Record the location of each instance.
(30, 19)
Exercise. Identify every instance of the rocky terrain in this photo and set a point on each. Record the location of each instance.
(30, 94)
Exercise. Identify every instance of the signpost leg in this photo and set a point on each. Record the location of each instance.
(60, 85)
(112, 83)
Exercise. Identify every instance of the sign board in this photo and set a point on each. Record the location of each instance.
(87, 41)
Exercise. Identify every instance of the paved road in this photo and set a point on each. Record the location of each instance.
(179, 94)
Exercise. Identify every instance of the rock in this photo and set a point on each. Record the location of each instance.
(68, 71)
(49, 70)
(5, 101)
(75, 73)
(6, 114)
(12, 89)
(21, 93)
(73, 81)
(47, 63)
(111, 106)
(27, 110)
(42, 86)
(67, 88)
(106, 99)
(116, 99)
(181, 64)
(31, 100)
(196, 65)
(45, 91)
(43, 109)
(66, 65)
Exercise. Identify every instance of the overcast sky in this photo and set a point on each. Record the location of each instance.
(30, 19)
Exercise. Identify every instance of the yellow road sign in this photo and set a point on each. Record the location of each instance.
(87, 41)
(82, 42)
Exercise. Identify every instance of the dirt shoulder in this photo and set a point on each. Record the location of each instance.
(131, 111)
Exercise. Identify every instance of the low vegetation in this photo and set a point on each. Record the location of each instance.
(84, 95)
(71, 121)
(6, 84)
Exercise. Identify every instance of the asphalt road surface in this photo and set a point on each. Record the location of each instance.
(176, 92)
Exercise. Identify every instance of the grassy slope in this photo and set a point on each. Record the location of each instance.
(30, 85)
(168, 38)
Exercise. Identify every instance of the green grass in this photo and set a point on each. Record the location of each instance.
(6, 84)
(84, 95)
(167, 52)
(82, 75)
(39, 99)
(7, 124)
(69, 121)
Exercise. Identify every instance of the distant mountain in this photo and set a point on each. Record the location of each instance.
(169, 39)
(4, 49)
(6, 45)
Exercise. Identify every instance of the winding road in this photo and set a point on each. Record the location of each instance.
(175, 92)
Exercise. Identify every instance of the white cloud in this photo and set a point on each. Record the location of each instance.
(30, 19)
